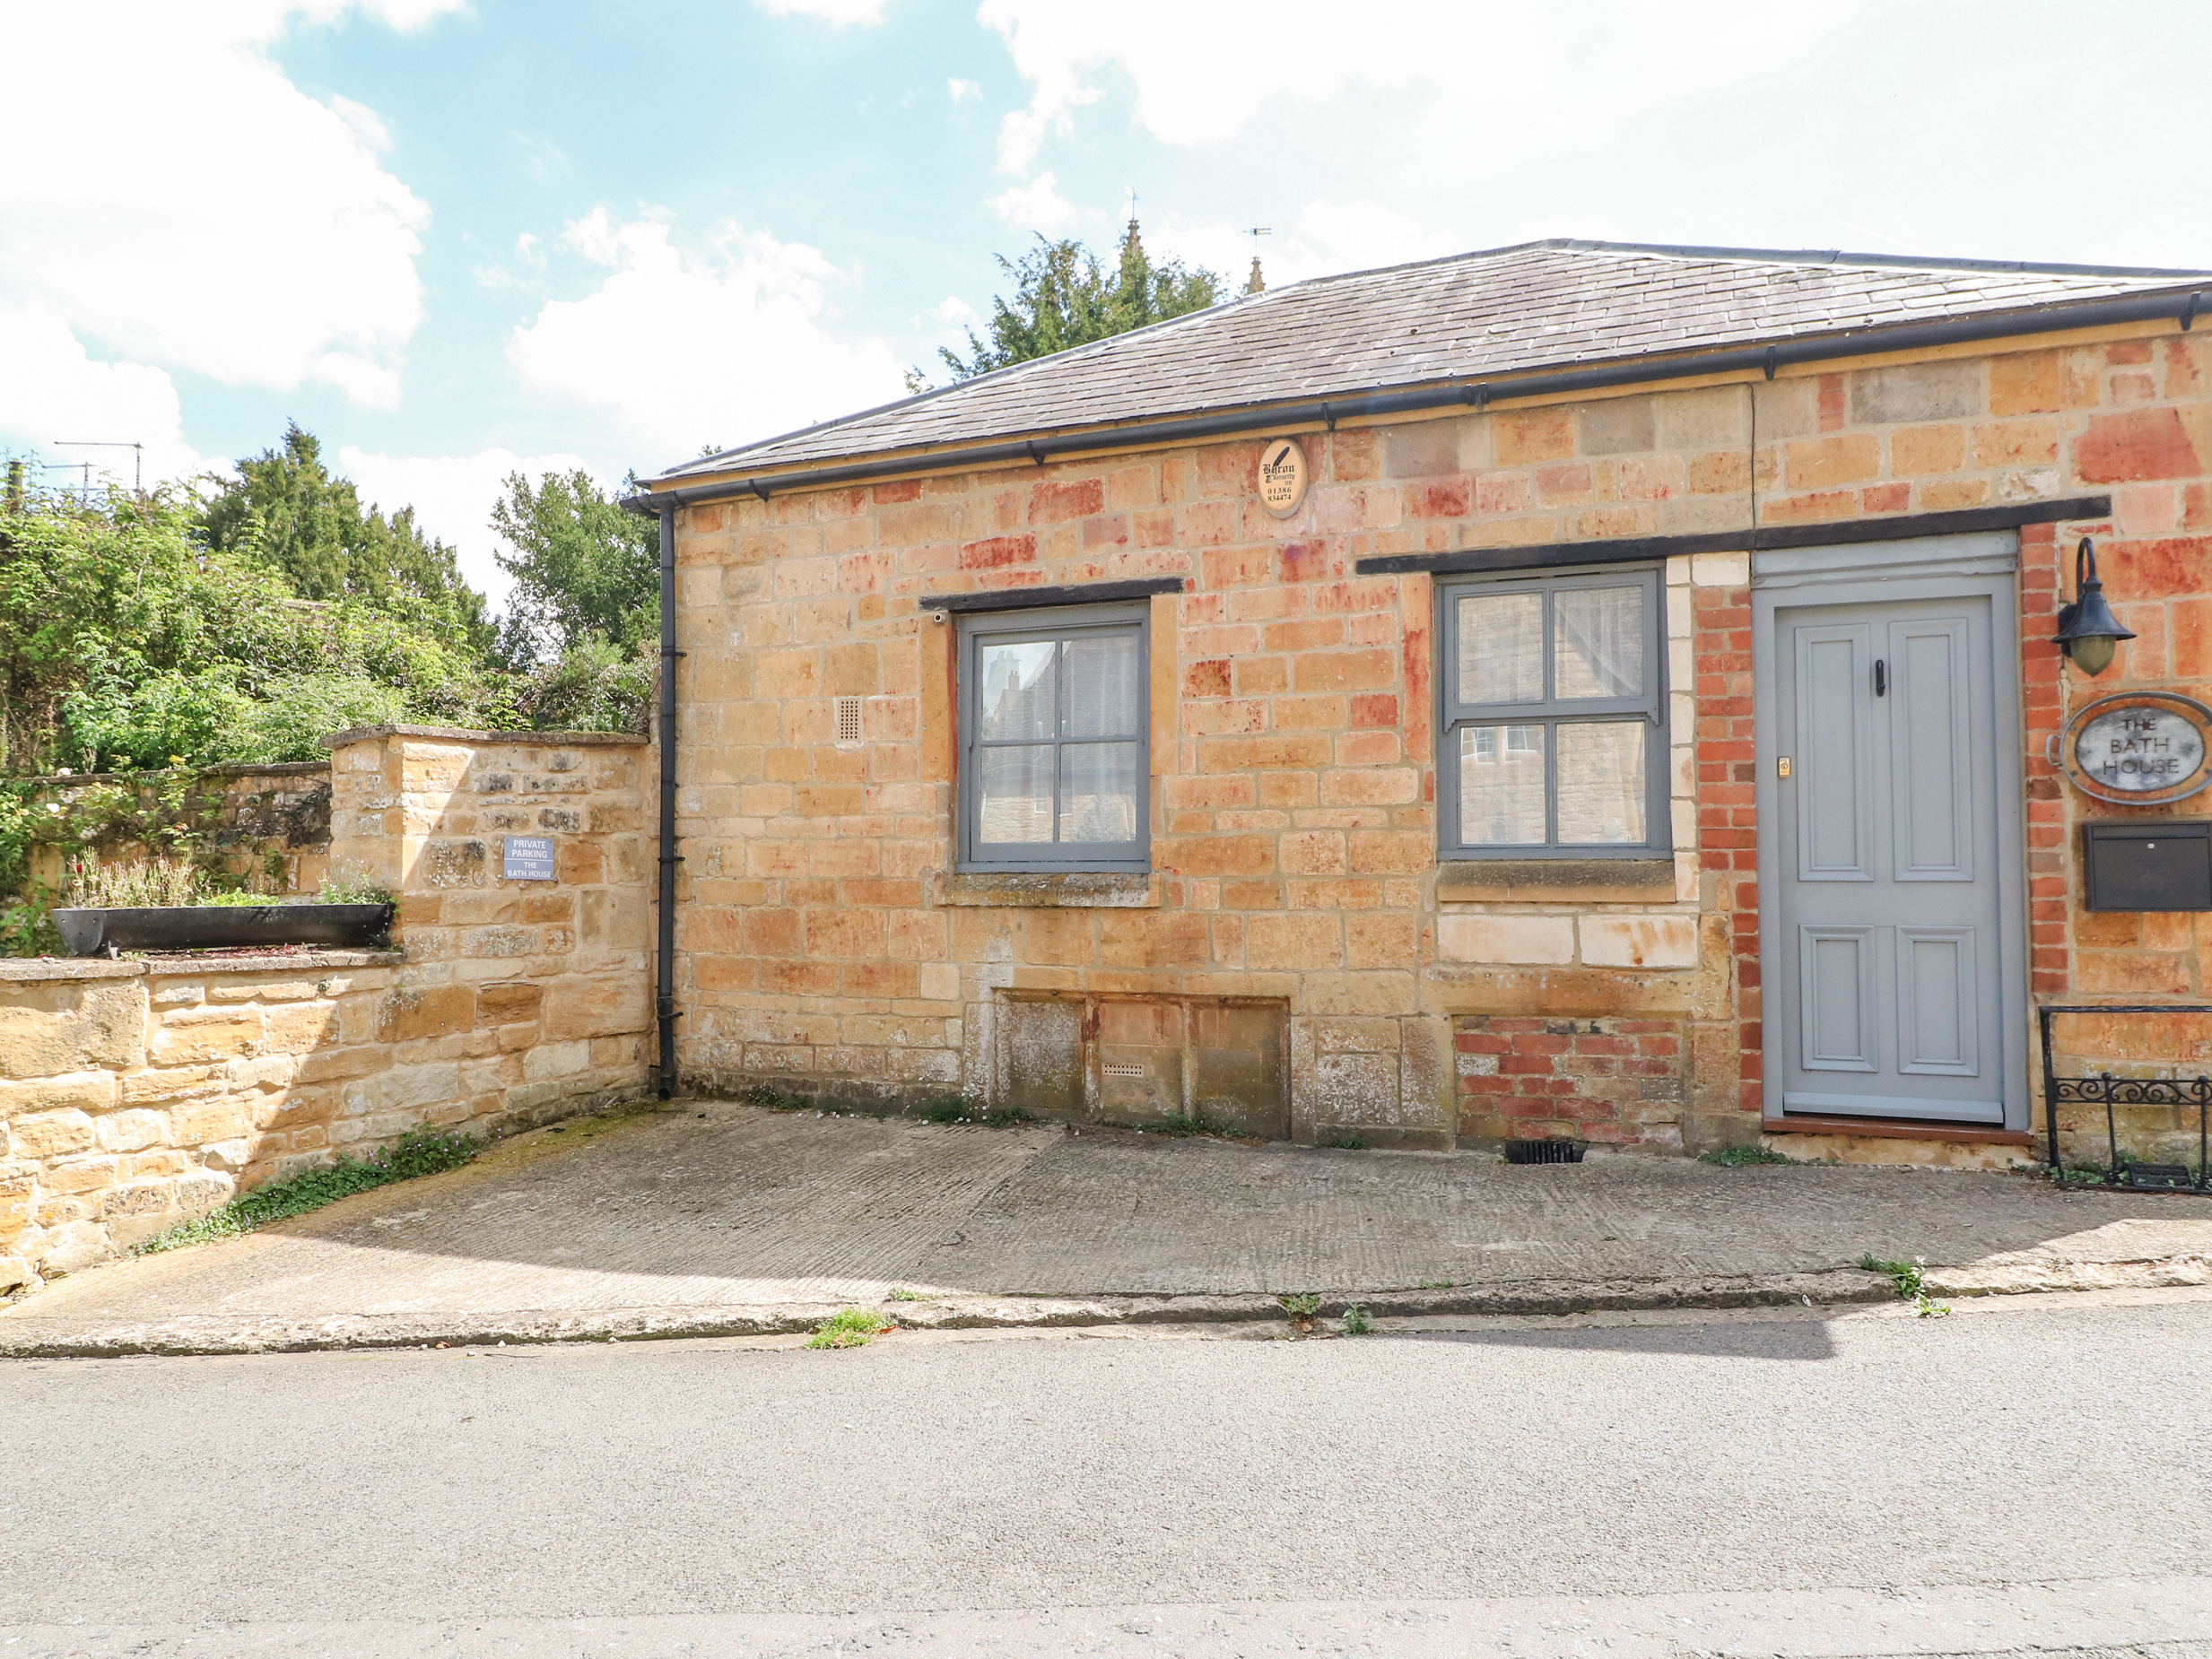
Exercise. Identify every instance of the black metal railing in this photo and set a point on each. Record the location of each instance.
(2110, 1091)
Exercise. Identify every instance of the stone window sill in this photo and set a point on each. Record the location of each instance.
(1556, 880)
(1064, 889)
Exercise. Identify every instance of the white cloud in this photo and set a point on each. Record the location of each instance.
(725, 342)
(1201, 70)
(959, 91)
(840, 13)
(211, 216)
(952, 313)
(452, 497)
(52, 390)
(1037, 205)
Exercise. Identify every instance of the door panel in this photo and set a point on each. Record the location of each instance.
(1888, 893)
(1838, 998)
(1933, 819)
(1833, 834)
(1935, 1034)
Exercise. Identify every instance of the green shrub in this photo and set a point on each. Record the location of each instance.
(418, 1153)
(591, 687)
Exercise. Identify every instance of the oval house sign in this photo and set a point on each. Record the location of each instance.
(2145, 748)
(1282, 476)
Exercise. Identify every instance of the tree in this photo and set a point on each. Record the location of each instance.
(127, 641)
(584, 568)
(286, 511)
(1063, 296)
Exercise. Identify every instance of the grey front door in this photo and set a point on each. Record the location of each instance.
(1887, 1000)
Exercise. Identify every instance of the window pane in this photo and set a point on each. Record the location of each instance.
(1501, 648)
(1601, 791)
(1597, 641)
(1102, 685)
(1016, 698)
(1501, 785)
(1013, 794)
(1098, 791)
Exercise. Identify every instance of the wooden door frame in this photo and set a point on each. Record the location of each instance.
(1967, 567)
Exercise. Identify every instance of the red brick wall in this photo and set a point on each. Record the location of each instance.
(1602, 1081)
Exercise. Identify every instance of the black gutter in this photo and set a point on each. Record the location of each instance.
(664, 969)
(1365, 405)
(1767, 538)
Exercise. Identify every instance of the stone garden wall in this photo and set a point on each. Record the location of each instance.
(269, 822)
(135, 1093)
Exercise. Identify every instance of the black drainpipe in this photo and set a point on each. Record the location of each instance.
(664, 971)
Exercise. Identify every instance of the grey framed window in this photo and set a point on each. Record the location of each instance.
(1055, 729)
(1552, 701)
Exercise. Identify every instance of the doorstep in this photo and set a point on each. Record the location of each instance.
(1896, 1129)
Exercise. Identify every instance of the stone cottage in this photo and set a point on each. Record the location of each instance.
(1573, 690)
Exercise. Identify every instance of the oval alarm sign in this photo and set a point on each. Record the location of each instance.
(1282, 476)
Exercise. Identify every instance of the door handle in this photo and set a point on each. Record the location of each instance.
(1881, 677)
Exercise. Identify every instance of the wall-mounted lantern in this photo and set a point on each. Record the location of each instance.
(2089, 631)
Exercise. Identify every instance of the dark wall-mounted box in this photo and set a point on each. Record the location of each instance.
(2148, 863)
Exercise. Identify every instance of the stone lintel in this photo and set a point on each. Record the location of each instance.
(1579, 994)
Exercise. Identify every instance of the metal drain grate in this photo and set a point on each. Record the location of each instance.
(1545, 1152)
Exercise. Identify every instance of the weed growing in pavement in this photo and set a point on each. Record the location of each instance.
(1350, 1144)
(1911, 1278)
(850, 1327)
(1176, 1124)
(1357, 1320)
(419, 1152)
(775, 1099)
(1301, 1305)
(900, 1294)
(1738, 1157)
(2084, 1174)
(1433, 1284)
(954, 1109)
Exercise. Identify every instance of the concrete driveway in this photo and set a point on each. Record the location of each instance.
(711, 1218)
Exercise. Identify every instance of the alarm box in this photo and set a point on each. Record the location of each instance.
(2148, 863)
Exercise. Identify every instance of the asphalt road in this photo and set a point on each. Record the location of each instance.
(2028, 1474)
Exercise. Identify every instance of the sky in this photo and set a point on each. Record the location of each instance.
(458, 239)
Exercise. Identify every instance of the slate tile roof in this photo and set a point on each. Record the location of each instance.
(1512, 310)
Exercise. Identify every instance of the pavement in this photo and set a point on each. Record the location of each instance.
(2024, 1476)
(714, 1218)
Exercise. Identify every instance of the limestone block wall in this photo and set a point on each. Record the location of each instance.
(828, 942)
(532, 992)
(136, 1093)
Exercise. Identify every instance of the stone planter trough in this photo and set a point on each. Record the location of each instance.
(205, 928)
